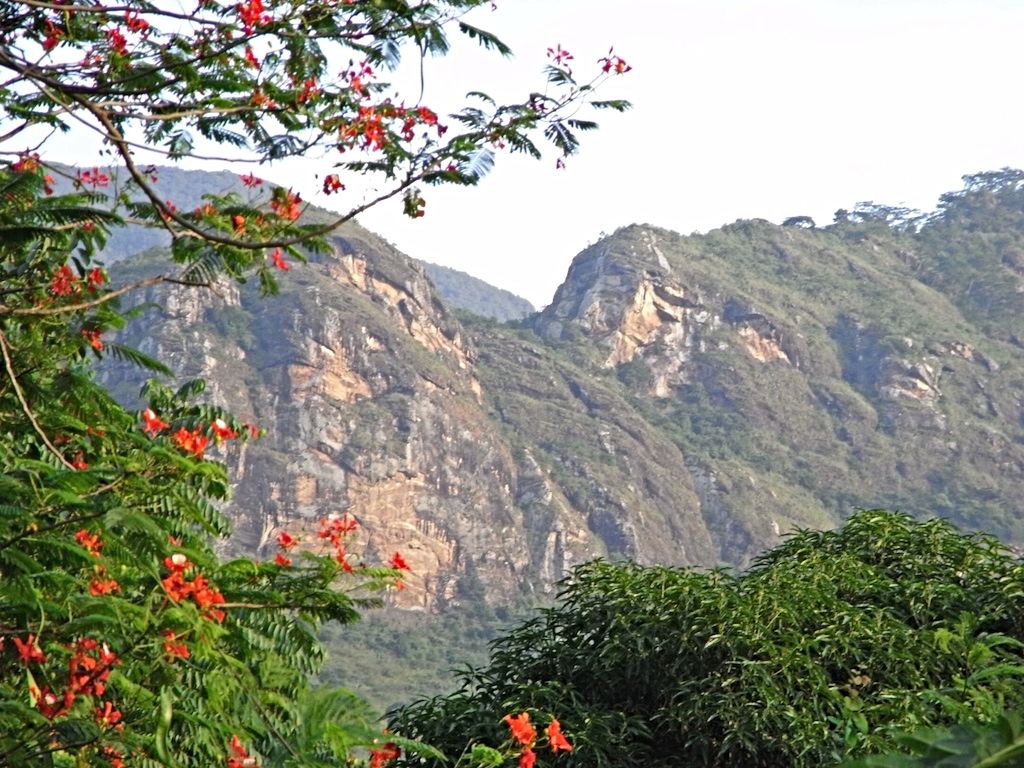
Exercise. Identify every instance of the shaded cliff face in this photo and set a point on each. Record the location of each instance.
(367, 391)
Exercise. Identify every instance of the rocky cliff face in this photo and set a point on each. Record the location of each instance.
(801, 376)
(371, 396)
(683, 400)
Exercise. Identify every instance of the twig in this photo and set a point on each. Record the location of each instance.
(49, 311)
(24, 403)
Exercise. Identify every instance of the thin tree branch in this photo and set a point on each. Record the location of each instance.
(50, 311)
(24, 403)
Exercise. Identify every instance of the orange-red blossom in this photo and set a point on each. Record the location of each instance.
(522, 730)
(555, 738)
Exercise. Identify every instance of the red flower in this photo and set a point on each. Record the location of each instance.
(285, 540)
(94, 178)
(103, 587)
(206, 597)
(341, 558)
(333, 184)
(251, 58)
(241, 758)
(398, 562)
(177, 562)
(278, 261)
(113, 756)
(63, 282)
(153, 422)
(89, 541)
(522, 731)
(118, 42)
(176, 587)
(378, 757)
(93, 337)
(280, 559)
(559, 55)
(52, 39)
(134, 23)
(173, 649)
(286, 204)
(222, 430)
(194, 441)
(95, 278)
(252, 15)
(527, 758)
(107, 716)
(613, 64)
(309, 90)
(556, 739)
(28, 651)
(48, 703)
(30, 160)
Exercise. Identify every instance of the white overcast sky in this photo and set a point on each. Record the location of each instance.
(743, 109)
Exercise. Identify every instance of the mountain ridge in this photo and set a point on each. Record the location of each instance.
(684, 400)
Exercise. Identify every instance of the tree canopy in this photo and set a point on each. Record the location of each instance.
(124, 639)
(829, 642)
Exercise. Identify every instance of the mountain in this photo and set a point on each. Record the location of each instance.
(683, 399)
(462, 291)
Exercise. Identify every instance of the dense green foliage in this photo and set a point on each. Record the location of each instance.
(830, 641)
(123, 633)
(966, 745)
(393, 656)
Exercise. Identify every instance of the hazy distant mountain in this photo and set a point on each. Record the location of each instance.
(464, 291)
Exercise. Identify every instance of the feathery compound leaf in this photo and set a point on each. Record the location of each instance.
(618, 105)
(558, 76)
(486, 39)
(559, 135)
(135, 357)
(480, 163)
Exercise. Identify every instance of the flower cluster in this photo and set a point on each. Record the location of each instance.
(287, 542)
(285, 204)
(336, 531)
(194, 441)
(380, 757)
(100, 585)
(525, 735)
(253, 14)
(88, 670)
(93, 178)
(278, 261)
(66, 283)
(612, 64)
(199, 589)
